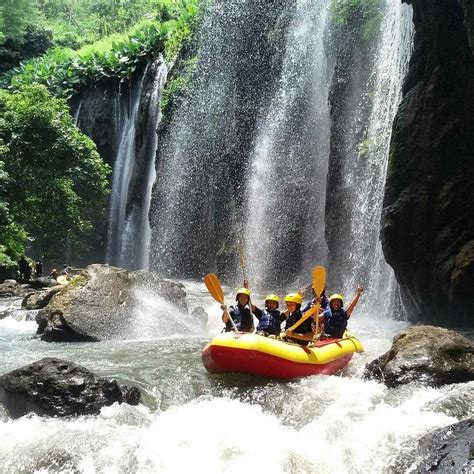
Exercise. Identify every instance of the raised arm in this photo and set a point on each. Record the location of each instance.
(354, 301)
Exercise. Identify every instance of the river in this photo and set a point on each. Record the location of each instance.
(191, 419)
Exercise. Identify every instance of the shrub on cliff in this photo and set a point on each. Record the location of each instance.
(55, 182)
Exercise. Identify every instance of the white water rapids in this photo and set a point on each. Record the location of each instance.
(228, 423)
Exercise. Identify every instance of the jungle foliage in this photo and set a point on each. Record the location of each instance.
(53, 183)
(369, 13)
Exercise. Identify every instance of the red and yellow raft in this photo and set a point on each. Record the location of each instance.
(259, 355)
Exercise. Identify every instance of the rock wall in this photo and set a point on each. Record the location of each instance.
(427, 223)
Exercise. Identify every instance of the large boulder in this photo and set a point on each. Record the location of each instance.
(426, 354)
(428, 210)
(56, 387)
(101, 303)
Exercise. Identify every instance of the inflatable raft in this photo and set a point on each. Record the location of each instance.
(259, 355)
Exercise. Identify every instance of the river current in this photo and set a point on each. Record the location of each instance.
(193, 420)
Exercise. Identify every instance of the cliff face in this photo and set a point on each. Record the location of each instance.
(428, 217)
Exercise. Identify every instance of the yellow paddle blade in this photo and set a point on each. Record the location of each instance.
(214, 287)
(308, 314)
(319, 280)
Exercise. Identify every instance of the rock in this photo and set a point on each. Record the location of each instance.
(56, 387)
(200, 315)
(99, 304)
(12, 289)
(43, 282)
(427, 232)
(426, 354)
(40, 299)
(449, 449)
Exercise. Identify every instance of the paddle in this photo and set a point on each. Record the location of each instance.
(242, 265)
(319, 283)
(214, 287)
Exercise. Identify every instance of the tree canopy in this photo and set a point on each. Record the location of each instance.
(53, 182)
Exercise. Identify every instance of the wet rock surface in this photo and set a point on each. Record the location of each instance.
(55, 387)
(40, 299)
(449, 449)
(100, 304)
(427, 232)
(425, 354)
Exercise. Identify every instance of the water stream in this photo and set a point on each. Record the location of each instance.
(222, 423)
(128, 235)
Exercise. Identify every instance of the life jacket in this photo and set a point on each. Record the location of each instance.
(335, 322)
(270, 321)
(303, 328)
(242, 319)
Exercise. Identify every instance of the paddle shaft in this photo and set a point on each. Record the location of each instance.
(319, 282)
(214, 287)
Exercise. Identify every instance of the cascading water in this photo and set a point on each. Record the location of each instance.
(129, 230)
(197, 200)
(190, 419)
(391, 67)
(364, 166)
(285, 217)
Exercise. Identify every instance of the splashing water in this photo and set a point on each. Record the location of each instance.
(284, 230)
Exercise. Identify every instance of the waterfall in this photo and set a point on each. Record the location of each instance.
(285, 210)
(364, 174)
(128, 234)
(198, 196)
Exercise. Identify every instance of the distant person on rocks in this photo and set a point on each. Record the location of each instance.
(336, 317)
(28, 271)
(239, 312)
(270, 318)
(54, 274)
(23, 267)
(39, 268)
(303, 333)
(65, 271)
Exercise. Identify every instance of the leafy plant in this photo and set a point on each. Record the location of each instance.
(369, 12)
(55, 182)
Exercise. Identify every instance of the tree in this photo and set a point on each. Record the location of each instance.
(15, 16)
(57, 182)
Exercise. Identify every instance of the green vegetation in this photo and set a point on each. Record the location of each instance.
(53, 183)
(41, 24)
(369, 12)
(64, 71)
(179, 85)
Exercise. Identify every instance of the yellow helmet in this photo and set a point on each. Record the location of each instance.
(272, 297)
(336, 296)
(294, 298)
(243, 291)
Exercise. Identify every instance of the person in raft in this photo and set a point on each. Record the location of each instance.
(270, 318)
(239, 312)
(302, 333)
(323, 302)
(336, 317)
